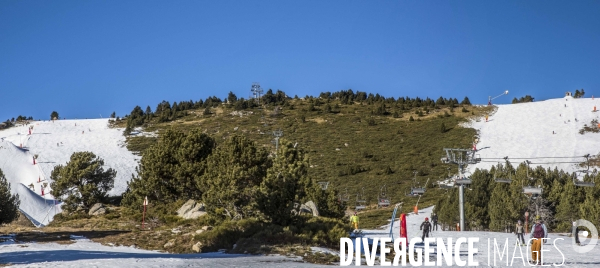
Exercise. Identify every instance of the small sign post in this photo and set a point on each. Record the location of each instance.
(144, 214)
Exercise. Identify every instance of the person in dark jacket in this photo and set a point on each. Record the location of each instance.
(576, 233)
(434, 219)
(426, 227)
(538, 232)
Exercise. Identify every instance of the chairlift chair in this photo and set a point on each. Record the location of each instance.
(530, 190)
(383, 200)
(416, 191)
(582, 183)
(345, 197)
(360, 200)
(324, 184)
(534, 191)
(502, 180)
(462, 180)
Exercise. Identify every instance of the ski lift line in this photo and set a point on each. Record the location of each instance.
(540, 163)
(539, 157)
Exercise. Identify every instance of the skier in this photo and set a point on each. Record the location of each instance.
(426, 227)
(434, 219)
(354, 221)
(519, 230)
(576, 233)
(538, 232)
(486, 118)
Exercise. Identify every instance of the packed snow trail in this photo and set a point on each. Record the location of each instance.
(526, 130)
(85, 253)
(54, 142)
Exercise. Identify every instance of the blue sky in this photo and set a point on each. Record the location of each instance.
(86, 58)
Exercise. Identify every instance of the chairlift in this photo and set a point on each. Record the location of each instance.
(383, 200)
(534, 191)
(502, 180)
(582, 183)
(345, 197)
(530, 190)
(416, 191)
(360, 200)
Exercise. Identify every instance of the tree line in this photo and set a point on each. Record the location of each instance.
(166, 111)
(491, 205)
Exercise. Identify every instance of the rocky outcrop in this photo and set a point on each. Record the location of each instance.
(191, 210)
(310, 207)
(197, 247)
(97, 209)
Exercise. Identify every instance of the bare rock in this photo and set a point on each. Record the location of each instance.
(197, 247)
(207, 228)
(191, 210)
(97, 209)
(310, 207)
(169, 244)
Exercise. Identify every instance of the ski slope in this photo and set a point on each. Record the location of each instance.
(525, 132)
(54, 142)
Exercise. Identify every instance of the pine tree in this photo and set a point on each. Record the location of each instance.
(567, 211)
(443, 128)
(54, 115)
(9, 207)
(82, 181)
(171, 169)
(281, 187)
(465, 101)
(231, 98)
(234, 172)
(590, 210)
(113, 115)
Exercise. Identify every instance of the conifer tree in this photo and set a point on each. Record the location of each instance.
(589, 209)
(82, 181)
(171, 169)
(9, 207)
(234, 172)
(281, 187)
(567, 211)
(54, 115)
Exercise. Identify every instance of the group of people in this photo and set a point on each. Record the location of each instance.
(536, 236)
(538, 232)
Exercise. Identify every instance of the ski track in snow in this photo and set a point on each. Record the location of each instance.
(54, 142)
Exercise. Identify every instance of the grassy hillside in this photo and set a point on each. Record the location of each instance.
(349, 147)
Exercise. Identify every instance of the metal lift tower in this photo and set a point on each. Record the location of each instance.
(461, 157)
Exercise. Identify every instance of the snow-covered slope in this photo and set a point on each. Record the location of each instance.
(54, 142)
(525, 132)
